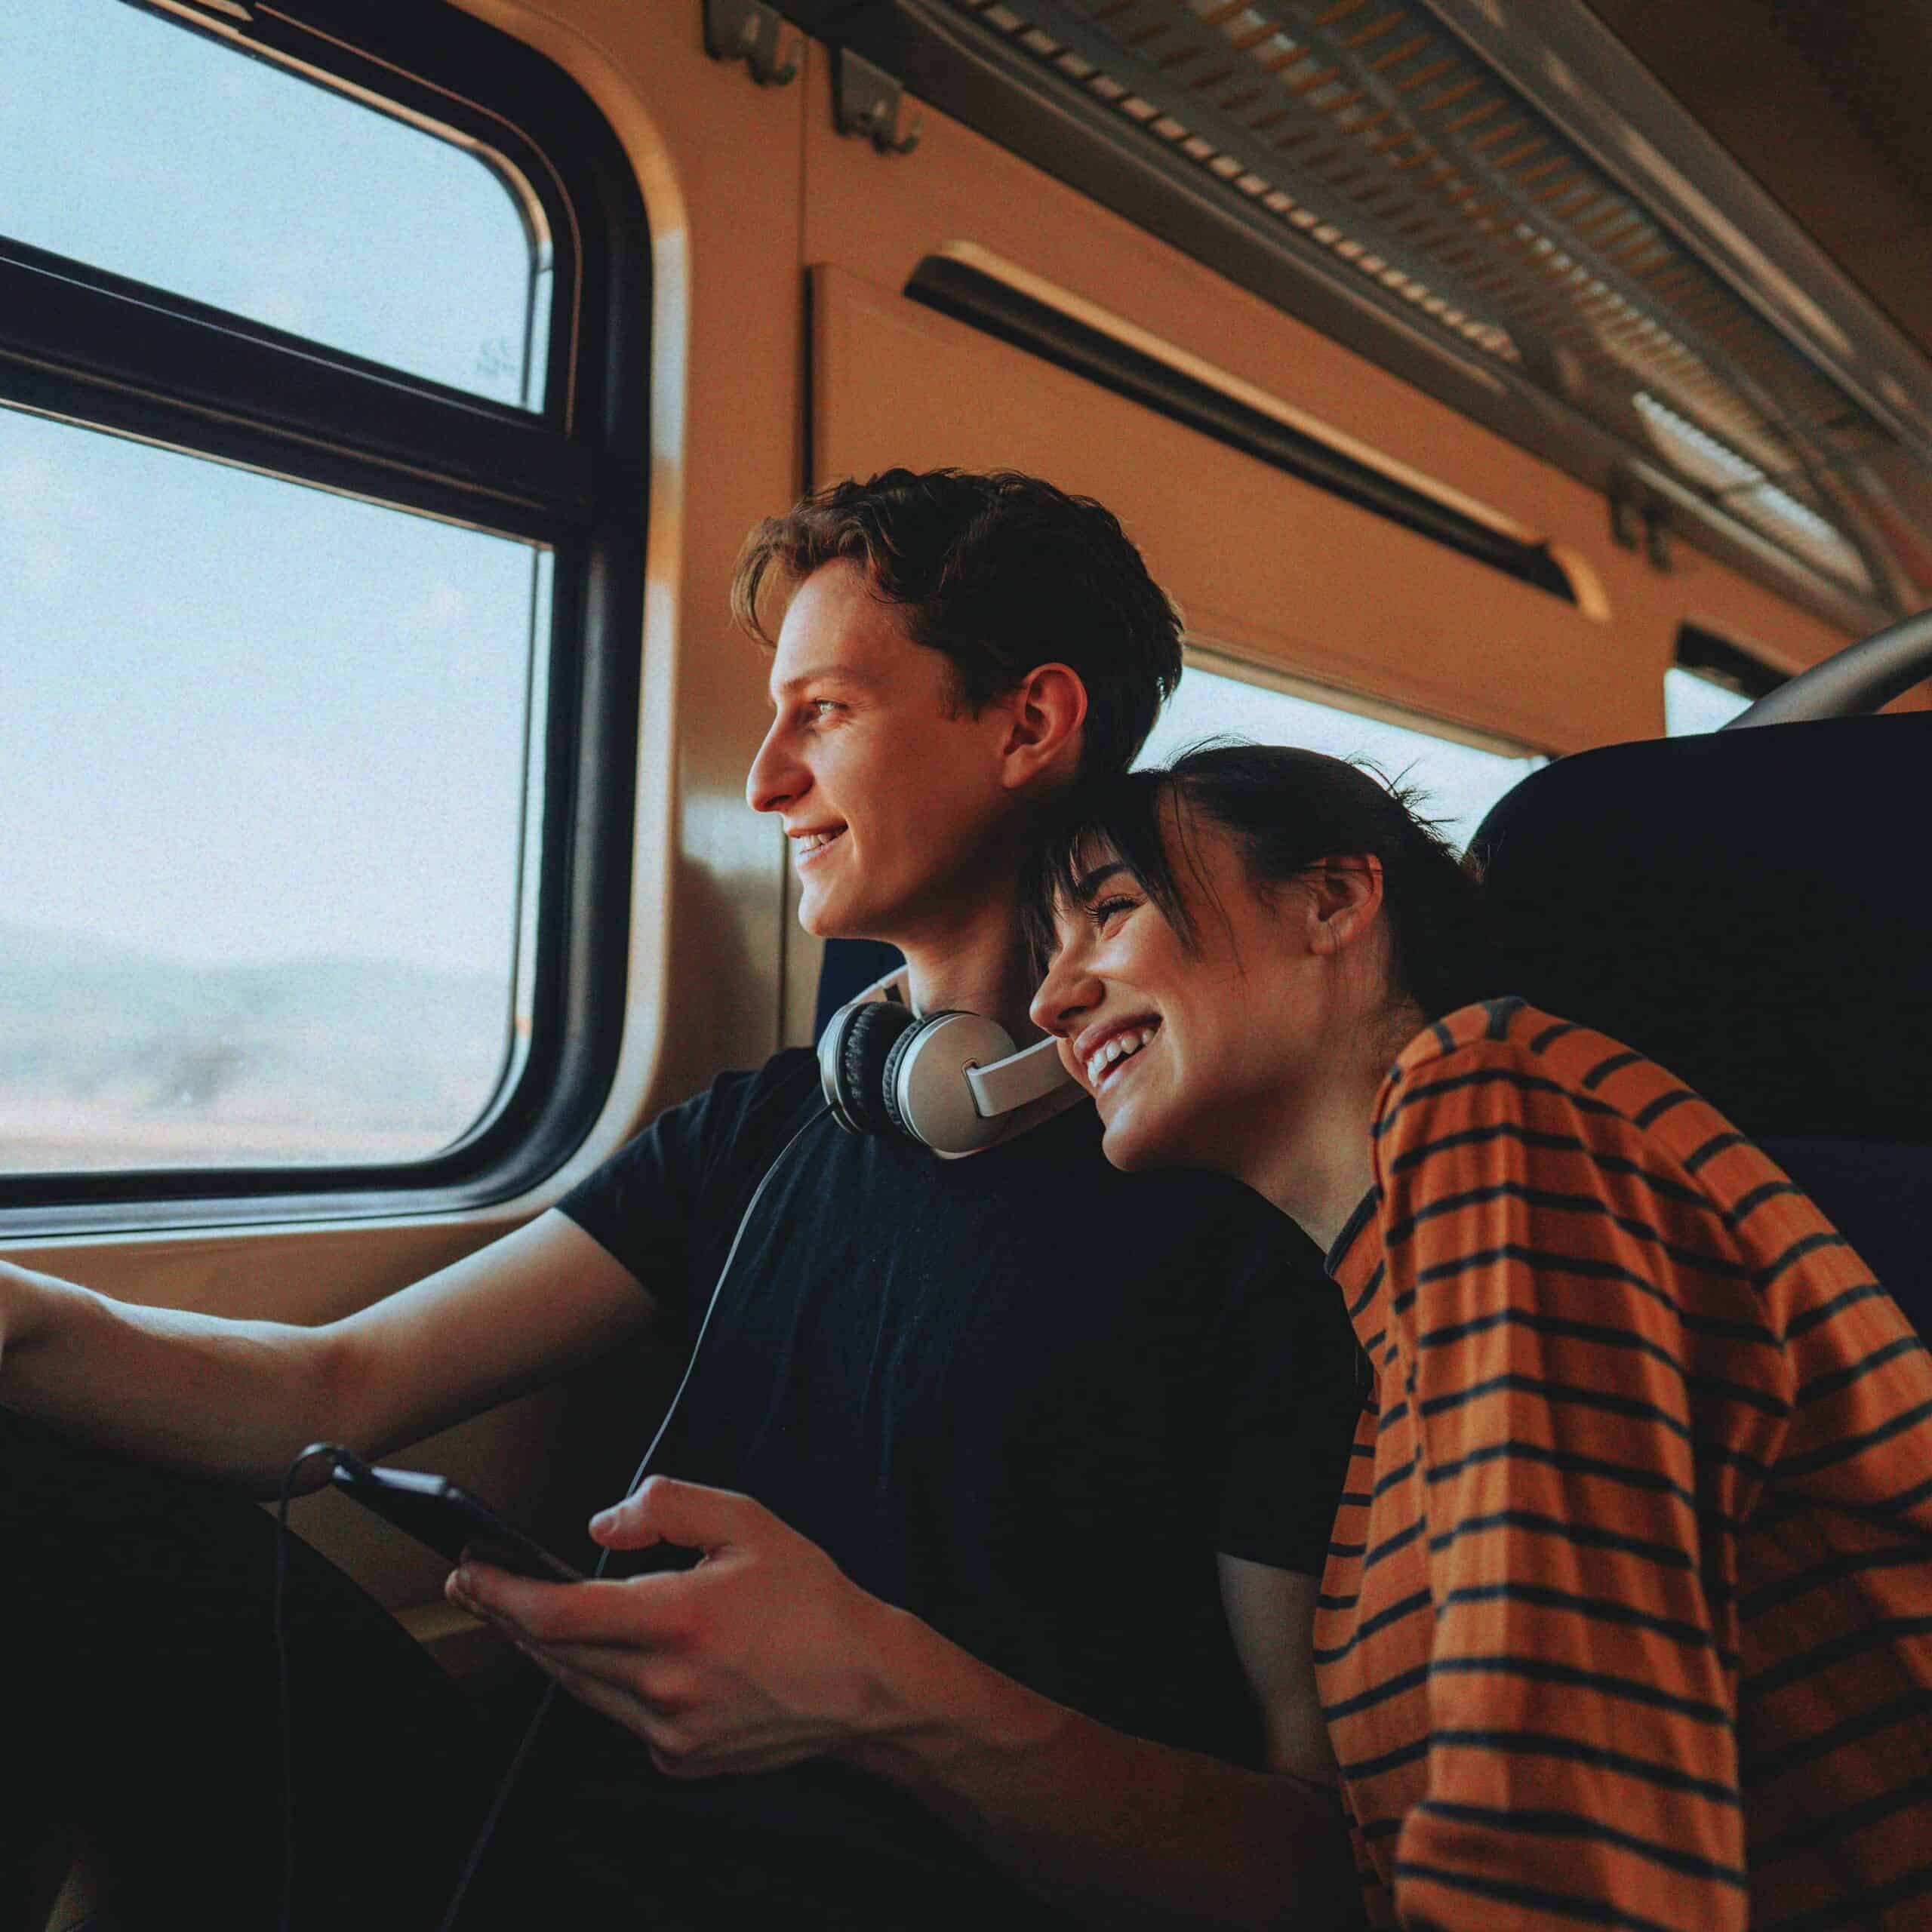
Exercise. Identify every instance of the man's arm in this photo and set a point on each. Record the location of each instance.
(766, 1654)
(237, 1399)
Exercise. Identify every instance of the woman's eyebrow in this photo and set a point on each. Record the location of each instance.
(1089, 883)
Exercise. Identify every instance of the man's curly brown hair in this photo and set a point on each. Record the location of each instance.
(999, 572)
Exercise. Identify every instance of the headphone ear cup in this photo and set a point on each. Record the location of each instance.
(872, 1034)
(896, 1058)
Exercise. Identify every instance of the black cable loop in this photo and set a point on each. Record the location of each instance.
(335, 1452)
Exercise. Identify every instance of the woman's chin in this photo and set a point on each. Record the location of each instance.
(1131, 1142)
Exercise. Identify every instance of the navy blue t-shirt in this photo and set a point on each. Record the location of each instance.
(1023, 1395)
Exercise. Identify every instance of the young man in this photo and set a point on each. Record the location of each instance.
(1011, 1476)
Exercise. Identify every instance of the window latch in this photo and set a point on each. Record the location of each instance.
(867, 102)
(750, 30)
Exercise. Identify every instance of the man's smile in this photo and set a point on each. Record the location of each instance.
(806, 846)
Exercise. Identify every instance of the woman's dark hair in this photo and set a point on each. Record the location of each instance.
(1287, 810)
(999, 572)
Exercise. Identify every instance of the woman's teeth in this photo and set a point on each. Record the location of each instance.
(812, 841)
(1121, 1047)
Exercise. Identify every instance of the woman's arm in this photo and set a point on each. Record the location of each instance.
(1582, 1760)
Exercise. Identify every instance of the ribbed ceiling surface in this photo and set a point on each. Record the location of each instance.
(1855, 81)
(1374, 138)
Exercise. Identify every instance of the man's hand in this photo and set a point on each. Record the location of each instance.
(767, 1653)
(763, 1654)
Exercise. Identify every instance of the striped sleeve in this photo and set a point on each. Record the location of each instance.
(1582, 1759)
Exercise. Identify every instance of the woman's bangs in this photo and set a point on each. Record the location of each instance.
(1116, 821)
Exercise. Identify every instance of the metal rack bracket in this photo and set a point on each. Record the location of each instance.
(867, 102)
(750, 30)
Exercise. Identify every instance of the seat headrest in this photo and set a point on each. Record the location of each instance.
(1752, 909)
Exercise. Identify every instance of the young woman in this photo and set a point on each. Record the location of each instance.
(1628, 1615)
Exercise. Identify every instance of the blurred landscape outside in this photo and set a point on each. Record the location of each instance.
(114, 1057)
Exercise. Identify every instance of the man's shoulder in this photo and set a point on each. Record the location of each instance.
(742, 1113)
(790, 1073)
(1056, 1168)
(1053, 1183)
(1170, 1216)
(746, 1108)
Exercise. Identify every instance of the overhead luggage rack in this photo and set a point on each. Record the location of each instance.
(1374, 146)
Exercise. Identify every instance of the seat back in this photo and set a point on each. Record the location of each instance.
(1752, 910)
(848, 967)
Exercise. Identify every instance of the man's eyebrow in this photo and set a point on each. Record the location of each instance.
(821, 674)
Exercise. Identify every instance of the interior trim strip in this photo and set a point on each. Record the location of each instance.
(985, 302)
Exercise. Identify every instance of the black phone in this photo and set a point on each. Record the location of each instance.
(434, 1511)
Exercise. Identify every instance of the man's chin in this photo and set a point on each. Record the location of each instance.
(824, 918)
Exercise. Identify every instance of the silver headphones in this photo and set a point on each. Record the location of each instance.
(950, 1082)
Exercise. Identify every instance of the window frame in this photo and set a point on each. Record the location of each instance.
(1207, 654)
(572, 474)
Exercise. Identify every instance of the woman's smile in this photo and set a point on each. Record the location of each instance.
(1104, 1053)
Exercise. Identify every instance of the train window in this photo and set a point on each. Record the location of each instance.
(1711, 681)
(1694, 703)
(319, 515)
(282, 201)
(1460, 781)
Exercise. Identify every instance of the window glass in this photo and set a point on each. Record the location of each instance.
(1695, 703)
(138, 145)
(262, 836)
(1459, 782)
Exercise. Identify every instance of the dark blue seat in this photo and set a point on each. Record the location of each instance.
(850, 966)
(1753, 910)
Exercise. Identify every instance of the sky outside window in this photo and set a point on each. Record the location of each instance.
(136, 145)
(1692, 703)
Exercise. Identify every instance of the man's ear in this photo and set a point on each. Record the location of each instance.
(1044, 712)
(1344, 895)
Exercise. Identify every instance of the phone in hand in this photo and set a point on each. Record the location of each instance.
(434, 1511)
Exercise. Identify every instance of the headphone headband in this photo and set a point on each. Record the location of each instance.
(950, 1081)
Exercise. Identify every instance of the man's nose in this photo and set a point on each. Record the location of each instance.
(776, 777)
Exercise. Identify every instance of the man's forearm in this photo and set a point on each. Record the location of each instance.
(1135, 1832)
(234, 1399)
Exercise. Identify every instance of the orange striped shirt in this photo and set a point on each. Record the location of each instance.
(1628, 1618)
